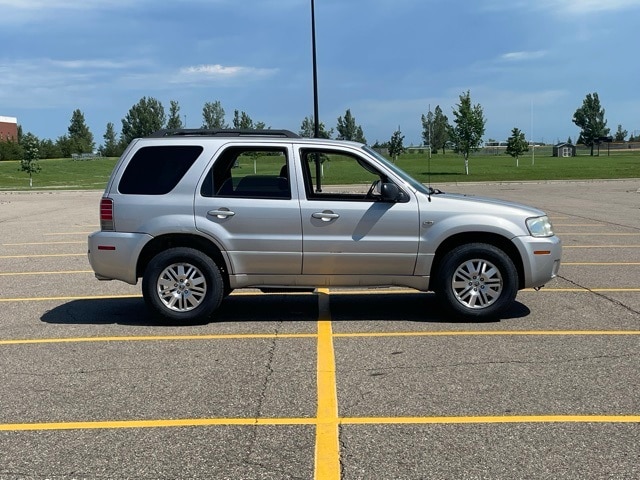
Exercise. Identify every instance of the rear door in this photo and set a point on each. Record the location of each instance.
(248, 203)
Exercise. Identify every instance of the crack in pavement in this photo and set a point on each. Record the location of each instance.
(601, 295)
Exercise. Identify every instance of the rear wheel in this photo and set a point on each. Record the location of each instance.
(182, 285)
(477, 281)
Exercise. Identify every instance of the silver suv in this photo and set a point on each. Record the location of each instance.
(199, 213)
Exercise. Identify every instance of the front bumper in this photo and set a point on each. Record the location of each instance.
(541, 258)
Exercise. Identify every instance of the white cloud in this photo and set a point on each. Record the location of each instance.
(216, 72)
(522, 56)
(589, 6)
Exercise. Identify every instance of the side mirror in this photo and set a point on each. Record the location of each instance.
(390, 192)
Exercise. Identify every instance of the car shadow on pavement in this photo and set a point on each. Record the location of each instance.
(259, 307)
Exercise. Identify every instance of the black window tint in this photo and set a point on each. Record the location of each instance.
(249, 172)
(157, 170)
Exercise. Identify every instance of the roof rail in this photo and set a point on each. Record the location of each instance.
(223, 132)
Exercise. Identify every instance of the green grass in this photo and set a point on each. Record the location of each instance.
(68, 174)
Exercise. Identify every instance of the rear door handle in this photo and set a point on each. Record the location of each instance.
(221, 213)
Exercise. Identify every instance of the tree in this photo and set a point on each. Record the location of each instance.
(144, 118)
(516, 145)
(174, 122)
(30, 156)
(10, 150)
(242, 120)
(590, 118)
(111, 147)
(396, 147)
(48, 149)
(80, 137)
(620, 134)
(467, 133)
(213, 115)
(348, 130)
(307, 128)
(435, 130)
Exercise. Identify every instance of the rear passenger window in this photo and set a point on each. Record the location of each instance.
(157, 170)
(249, 172)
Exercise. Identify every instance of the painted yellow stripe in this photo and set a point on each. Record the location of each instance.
(241, 336)
(187, 422)
(327, 451)
(46, 255)
(600, 246)
(88, 297)
(599, 234)
(207, 422)
(155, 338)
(494, 419)
(623, 264)
(584, 290)
(449, 333)
(41, 243)
(61, 272)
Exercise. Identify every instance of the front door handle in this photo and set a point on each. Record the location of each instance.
(325, 216)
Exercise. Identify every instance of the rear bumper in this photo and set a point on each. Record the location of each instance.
(541, 259)
(114, 256)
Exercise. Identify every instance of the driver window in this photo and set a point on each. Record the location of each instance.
(337, 175)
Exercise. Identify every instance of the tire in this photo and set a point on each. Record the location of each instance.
(477, 281)
(182, 286)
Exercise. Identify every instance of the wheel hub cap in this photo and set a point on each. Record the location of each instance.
(477, 283)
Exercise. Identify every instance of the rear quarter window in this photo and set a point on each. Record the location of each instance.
(157, 170)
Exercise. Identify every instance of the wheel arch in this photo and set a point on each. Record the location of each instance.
(165, 242)
(494, 239)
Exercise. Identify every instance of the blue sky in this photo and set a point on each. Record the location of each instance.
(529, 63)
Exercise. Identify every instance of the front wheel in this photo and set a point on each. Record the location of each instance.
(182, 285)
(477, 281)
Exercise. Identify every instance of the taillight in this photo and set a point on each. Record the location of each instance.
(106, 214)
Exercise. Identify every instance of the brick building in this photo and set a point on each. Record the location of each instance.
(8, 129)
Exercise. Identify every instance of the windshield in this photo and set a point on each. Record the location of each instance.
(398, 171)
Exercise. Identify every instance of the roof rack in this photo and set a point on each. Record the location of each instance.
(223, 132)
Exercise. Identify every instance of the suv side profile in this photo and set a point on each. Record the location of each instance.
(196, 214)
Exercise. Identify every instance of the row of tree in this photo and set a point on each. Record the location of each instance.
(463, 136)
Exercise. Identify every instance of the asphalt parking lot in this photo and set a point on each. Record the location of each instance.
(366, 384)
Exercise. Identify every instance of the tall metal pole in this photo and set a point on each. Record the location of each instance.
(316, 120)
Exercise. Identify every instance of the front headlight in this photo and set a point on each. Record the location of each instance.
(540, 226)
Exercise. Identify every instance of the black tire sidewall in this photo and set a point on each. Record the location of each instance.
(459, 255)
(210, 271)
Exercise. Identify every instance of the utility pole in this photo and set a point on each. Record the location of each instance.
(316, 120)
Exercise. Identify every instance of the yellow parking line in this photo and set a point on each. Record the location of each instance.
(207, 422)
(46, 255)
(564, 264)
(327, 451)
(600, 246)
(87, 297)
(494, 419)
(584, 290)
(156, 338)
(599, 234)
(326, 370)
(41, 243)
(186, 422)
(449, 333)
(62, 272)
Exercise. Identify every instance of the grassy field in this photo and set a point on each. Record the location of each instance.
(93, 174)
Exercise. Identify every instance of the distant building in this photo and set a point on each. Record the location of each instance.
(564, 150)
(8, 129)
